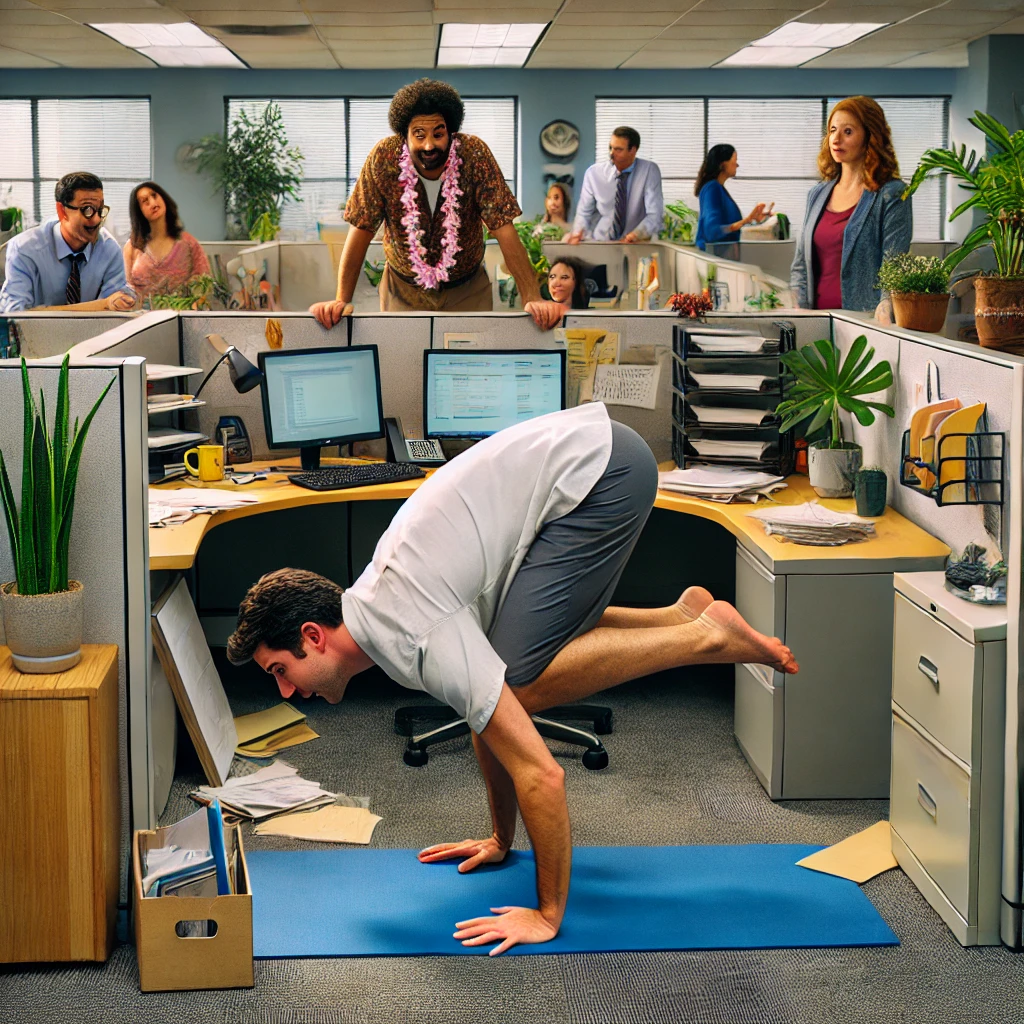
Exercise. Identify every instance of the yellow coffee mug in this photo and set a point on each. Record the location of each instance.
(210, 459)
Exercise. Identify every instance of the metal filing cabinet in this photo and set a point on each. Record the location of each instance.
(948, 708)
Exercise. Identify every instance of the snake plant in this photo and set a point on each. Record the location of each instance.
(41, 532)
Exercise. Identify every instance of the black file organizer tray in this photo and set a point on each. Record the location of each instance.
(779, 457)
(982, 476)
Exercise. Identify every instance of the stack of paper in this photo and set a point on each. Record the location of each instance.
(168, 437)
(721, 483)
(272, 790)
(731, 449)
(727, 342)
(264, 733)
(811, 523)
(327, 825)
(718, 414)
(165, 371)
(736, 381)
(199, 499)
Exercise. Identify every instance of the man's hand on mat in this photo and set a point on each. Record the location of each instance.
(476, 852)
(512, 926)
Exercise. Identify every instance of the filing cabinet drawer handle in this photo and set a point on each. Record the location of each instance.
(924, 798)
(929, 670)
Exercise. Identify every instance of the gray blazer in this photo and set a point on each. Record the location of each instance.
(881, 223)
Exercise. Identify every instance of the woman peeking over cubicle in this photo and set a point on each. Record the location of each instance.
(720, 219)
(855, 217)
(161, 257)
(566, 284)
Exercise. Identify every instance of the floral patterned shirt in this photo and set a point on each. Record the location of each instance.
(486, 201)
(149, 276)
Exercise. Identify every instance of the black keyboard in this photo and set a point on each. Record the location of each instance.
(334, 478)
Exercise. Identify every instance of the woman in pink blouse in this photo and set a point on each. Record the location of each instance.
(160, 258)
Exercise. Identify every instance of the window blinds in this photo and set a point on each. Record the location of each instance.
(16, 175)
(671, 134)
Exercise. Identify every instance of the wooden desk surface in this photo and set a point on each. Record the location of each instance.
(900, 545)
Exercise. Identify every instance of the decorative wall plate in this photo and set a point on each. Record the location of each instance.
(560, 139)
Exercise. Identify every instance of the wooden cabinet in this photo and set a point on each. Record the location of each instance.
(59, 809)
(948, 699)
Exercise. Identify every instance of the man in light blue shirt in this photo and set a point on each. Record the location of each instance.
(70, 261)
(621, 200)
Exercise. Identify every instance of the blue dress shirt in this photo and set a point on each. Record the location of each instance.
(718, 210)
(39, 265)
(645, 213)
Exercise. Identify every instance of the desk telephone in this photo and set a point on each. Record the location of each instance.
(413, 449)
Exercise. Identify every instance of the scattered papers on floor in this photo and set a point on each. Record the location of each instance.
(327, 825)
(811, 523)
(722, 483)
(269, 791)
(859, 857)
(735, 381)
(264, 733)
(719, 414)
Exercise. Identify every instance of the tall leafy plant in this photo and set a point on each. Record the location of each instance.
(41, 532)
(996, 186)
(255, 168)
(821, 387)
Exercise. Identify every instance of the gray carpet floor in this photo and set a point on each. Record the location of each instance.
(676, 777)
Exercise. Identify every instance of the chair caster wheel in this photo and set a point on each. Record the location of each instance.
(603, 725)
(418, 758)
(595, 760)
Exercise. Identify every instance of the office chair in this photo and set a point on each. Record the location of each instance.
(596, 280)
(446, 726)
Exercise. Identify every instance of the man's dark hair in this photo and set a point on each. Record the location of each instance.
(140, 226)
(274, 609)
(76, 181)
(426, 96)
(631, 135)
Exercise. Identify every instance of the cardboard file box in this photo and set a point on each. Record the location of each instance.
(168, 962)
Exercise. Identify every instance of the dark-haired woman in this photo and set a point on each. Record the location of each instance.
(557, 204)
(565, 284)
(160, 257)
(720, 218)
(855, 217)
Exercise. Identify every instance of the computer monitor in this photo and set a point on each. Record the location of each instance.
(316, 397)
(472, 394)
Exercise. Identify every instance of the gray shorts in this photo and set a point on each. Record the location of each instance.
(570, 572)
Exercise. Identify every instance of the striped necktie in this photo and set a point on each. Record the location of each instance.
(73, 292)
(619, 223)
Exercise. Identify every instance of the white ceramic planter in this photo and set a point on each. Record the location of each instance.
(43, 631)
(832, 471)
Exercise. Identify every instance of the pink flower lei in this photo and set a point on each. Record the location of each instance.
(427, 276)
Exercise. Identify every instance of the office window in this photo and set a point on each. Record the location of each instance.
(777, 141)
(336, 136)
(44, 139)
(671, 134)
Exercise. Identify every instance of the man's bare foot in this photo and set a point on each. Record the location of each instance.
(742, 643)
(692, 603)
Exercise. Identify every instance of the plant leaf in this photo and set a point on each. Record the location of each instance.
(11, 517)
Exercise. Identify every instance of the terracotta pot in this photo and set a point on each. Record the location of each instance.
(832, 470)
(920, 311)
(43, 631)
(999, 312)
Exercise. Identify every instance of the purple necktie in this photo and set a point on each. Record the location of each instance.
(619, 223)
(73, 292)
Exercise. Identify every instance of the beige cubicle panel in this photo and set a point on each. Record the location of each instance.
(50, 333)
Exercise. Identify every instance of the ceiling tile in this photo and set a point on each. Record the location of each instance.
(419, 33)
(948, 57)
(384, 21)
(601, 6)
(19, 59)
(1015, 27)
(702, 58)
(598, 36)
(764, 18)
(243, 17)
(496, 16)
(617, 20)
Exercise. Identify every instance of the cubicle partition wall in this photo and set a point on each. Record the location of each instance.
(49, 333)
(109, 550)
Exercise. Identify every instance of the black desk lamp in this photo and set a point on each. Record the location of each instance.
(244, 376)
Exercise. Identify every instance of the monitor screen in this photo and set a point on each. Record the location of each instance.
(476, 393)
(321, 396)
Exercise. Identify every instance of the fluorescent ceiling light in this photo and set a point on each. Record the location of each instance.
(182, 45)
(797, 42)
(773, 56)
(466, 45)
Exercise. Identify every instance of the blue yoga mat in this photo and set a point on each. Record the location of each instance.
(317, 903)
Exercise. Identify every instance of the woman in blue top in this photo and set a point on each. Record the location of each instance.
(720, 218)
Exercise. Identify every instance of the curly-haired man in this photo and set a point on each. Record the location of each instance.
(435, 189)
(491, 590)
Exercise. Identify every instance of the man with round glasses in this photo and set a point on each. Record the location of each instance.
(70, 261)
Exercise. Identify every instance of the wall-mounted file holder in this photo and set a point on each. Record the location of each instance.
(965, 469)
(726, 385)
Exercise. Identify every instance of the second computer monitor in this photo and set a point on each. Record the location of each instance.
(317, 397)
(473, 393)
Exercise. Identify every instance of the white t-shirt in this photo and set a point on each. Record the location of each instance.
(422, 609)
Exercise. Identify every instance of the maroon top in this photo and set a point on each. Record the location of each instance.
(828, 259)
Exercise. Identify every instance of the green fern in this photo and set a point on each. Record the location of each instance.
(41, 533)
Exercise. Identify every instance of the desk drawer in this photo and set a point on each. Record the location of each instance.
(761, 600)
(930, 809)
(934, 676)
(758, 725)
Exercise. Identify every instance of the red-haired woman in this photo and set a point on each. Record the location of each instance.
(855, 216)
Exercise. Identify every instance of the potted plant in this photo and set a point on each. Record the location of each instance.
(819, 388)
(680, 223)
(919, 289)
(42, 608)
(996, 186)
(256, 169)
